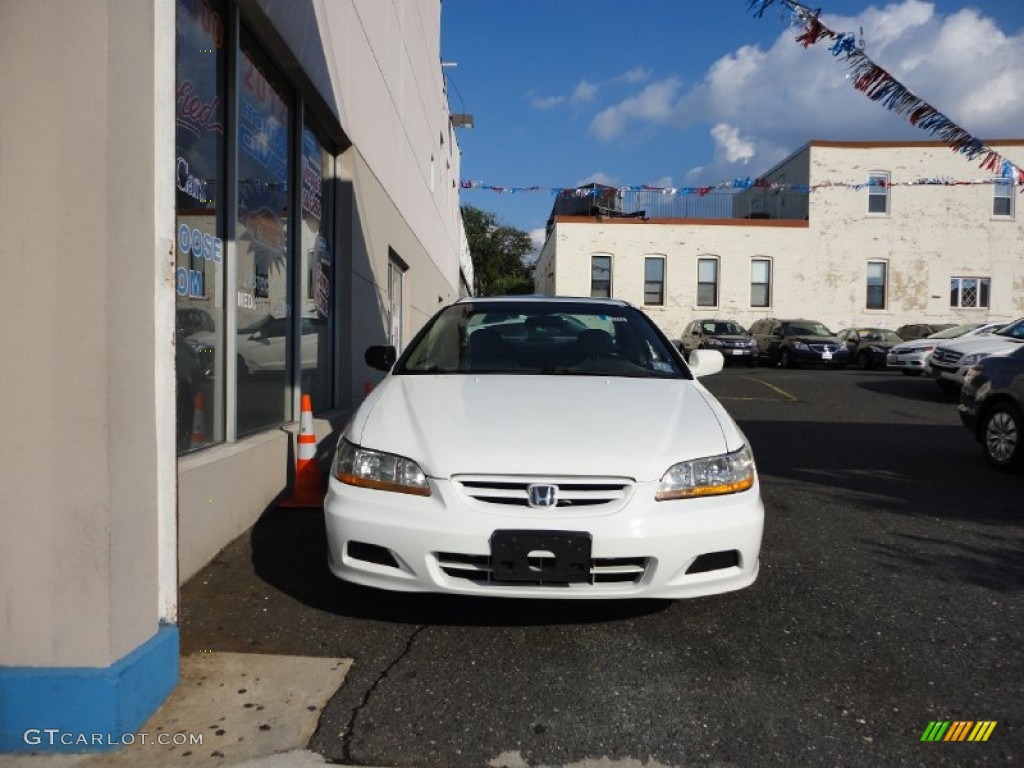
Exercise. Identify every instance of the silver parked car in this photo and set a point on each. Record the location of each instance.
(909, 357)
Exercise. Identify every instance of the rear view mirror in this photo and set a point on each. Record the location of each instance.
(380, 357)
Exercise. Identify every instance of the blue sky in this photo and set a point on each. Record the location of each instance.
(679, 93)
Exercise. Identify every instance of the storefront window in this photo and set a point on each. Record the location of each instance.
(199, 251)
(263, 310)
(317, 273)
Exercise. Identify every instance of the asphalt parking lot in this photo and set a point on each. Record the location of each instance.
(890, 596)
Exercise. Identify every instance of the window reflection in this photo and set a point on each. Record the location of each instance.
(262, 307)
(199, 250)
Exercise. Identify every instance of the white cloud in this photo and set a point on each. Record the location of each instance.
(546, 102)
(654, 104)
(762, 104)
(599, 177)
(537, 237)
(583, 92)
(634, 75)
(728, 140)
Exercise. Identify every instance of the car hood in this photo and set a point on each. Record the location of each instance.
(550, 425)
(987, 343)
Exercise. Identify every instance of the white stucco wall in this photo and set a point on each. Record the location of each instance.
(86, 207)
(933, 233)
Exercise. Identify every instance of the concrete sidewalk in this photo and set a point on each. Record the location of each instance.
(229, 709)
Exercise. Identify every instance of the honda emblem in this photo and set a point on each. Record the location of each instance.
(542, 495)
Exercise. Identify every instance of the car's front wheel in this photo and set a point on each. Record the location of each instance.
(1001, 437)
(785, 359)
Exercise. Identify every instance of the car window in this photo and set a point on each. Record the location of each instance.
(1014, 330)
(530, 338)
(806, 329)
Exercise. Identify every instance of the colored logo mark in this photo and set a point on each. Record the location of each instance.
(958, 730)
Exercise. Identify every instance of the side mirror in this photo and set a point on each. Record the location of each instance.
(704, 362)
(380, 357)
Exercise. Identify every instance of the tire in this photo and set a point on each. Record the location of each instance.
(752, 361)
(1002, 437)
(785, 359)
(863, 363)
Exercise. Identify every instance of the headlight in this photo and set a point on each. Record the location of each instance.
(713, 342)
(877, 350)
(710, 476)
(800, 345)
(375, 469)
(971, 359)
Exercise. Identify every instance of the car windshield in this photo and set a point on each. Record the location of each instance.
(807, 328)
(879, 334)
(1014, 330)
(551, 337)
(723, 328)
(956, 330)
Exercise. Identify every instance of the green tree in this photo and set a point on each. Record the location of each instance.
(498, 253)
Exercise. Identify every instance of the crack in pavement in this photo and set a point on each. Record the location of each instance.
(350, 728)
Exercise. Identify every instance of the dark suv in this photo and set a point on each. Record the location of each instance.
(789, 343)
(727, 336)
(992, 408)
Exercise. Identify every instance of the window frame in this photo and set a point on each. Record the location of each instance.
(593, 264)
(757, 260)
(715, 284)
(883, 303)
(874, 194)
(1002, 183)
(983, 292)
(648, 260)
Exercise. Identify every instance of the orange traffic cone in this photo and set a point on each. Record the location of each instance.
(198, 436)
(308, 489)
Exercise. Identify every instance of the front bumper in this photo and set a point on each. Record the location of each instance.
(946, 372)
(905, 362)
(643, 549)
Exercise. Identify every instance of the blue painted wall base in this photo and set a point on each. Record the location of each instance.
(84, 709)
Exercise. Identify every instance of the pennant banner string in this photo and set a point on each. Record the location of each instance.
(879, 85)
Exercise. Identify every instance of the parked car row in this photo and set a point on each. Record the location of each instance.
(983, 361)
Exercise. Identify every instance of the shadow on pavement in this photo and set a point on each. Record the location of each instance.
(289, 552)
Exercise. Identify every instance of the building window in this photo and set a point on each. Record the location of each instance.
(601, 276)
(707, 282)
(760, 282)
(877, 279)
(1002, 198)
(654, 280)
(395, 301)
(199, 251)
(317, 326)
(264, 257)
(878, 193)
(969, 292)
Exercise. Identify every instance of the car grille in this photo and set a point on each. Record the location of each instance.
(947, 356)
(819, 348)
(603, 570)
(596, 494)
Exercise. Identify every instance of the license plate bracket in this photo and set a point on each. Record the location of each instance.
(541, 557)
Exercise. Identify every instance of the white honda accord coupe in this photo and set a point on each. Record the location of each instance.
(544, 447)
